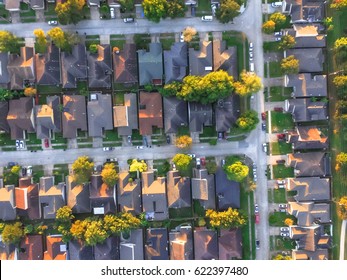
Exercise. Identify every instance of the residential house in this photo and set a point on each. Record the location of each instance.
(230, 244)
(307, 85)
(175, 114)
(74, 66)
(205, 244)
(31, 248)
(181, 243)
(318, 255)
(203, 188)
(12, 5)
(27, 199)
(21, 68)
(36, 4)
(108, 250)
(102, 197)
(304, 11)
(309, 213)
(4, 74)
(311, 60)
(8, 252)
(78, 196)
(20, 117)
(129, 194)
(125, 65)
(47, 67)
(150, 112)
(151, 65)
(200, 115)
(131, 246)
(228, 192)
(178, 190)
(310, 164)
(7, 203)
(125, 116)
(225, 58)
(74, 115)
(55, 248)
(95, 3)
(307, 36)
(78, 251)
(100, 68)
(4, 127)
(201, 62)
(306, 110)
(176, 62)
(51, 197)
(99, 114)
(154, 199)
(310, 188)
(307, 138)
(48, 118)
(156, 244)
(113, 3)
(227, 111)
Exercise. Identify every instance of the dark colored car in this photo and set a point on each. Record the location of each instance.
(168, 139)
(263, 126)
(46, 141)
(281, 161)
(278, 109)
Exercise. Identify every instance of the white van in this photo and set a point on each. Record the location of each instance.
(207, 18)
(276, 4)
(251, 67)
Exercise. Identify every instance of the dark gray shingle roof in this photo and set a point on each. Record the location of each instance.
(176, 62)
(175, 114)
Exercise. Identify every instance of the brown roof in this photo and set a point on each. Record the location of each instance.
(74, 115)
(120, 116)
(31, 248)
(230, 244)
(150, 112)
(56, 249)
(125, 65)
(27, 201)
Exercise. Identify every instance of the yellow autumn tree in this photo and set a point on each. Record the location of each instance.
(183, 142)
(289, 221)
(188, 33)
(82, 169)
(139, 166)
(58, 37)
(41, 41)
(109, 174)
(225, 219)
(30, 91)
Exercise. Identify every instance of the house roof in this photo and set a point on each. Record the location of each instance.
(225, 58)
(310, 164)
(310, 188)
(125, 117)
(154, 199)
(306, 10)
(37, 4)
(20, 117)
(77, 196)
(228, 192)
(156, 246)
(31, 248)
(311, 60)
(176, 62)
(74, 115)
(102, 196)
(78, 251)
(200, 115)
(131, 248)
(306, 110)
(27, 201)
(21, 68)
(7, 251)
(7, 203)
(100, 68)
(227, 111)
(201, 62)
(12, 5)
(108, 250)
(181, 243)
(56, 248)
(318, 255)
(125, 64)
(48, 117)
(4, 74)
(51, 196)
(203, 188)
(3, 116)
(47, 66)
(308, 213)
(307, 36)
(205, 244)
(150, 112)
(99, 115)
(178, 190)
(307, 138)
(150, 64)
(230, 244)
(129, 194)
(74, 66)
(307, 85)
(175, 114)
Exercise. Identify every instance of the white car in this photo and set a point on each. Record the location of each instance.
(284, 234)
(282, 205)
(284, 229)
(107, 149)
(265, 147)
(52, 22)
(112, 13)
(191, 155)
(281, 182)
(139, 147)
(198, 162)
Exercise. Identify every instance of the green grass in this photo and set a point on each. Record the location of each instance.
(281, 148)
(280, 93)
(28, 20)
(118, 98)
(204, 6)
(209, 131)
(178, 213)
(26, 11)
(279, 196)
(5, 140)
(167, 40)
(183, 130)
(111, 136)
(281, 121)
(60, 171)
(58, 139)
(4, 13)
(278, 243)
(248, 241)
(280, 171)
(233, 38)
(163, 166)
(50, 9)
(277, 219)
(43, 89)
(271, 46)
(37, 173)
(275, 69)
(142, 41)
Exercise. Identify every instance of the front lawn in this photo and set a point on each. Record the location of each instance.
(280, 171)
(281, 148)
(278, 243)
(281, 121)
(275, 69)
(271, 46)
(167, 40)
(276, 219)
(280, 93)
(279, 196)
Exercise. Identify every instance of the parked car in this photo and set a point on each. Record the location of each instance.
(198, 162)
(263, 116)
(279, 33)
(181, 37)
(278, 109)
(263, 127)
(107, 149)
(220, 135)
(256, 208)
(52, 22)
(11, 164)
(173, 166)
(129, 138)
(280, 161)
(257, 218)
(284, 229)
(223, 162)
(276, 4)
(168, 139)
(29, 170)
(46, 141)
(278, 39)
(284, 234)
(281, 186)
(112, 13)
(140, 147)
(203, 161)
(257, 244)
(281, 136)
(191, 155)
(207, 18)
(129, 19)
(281, 182)
(255, 177)
(24, 171)
(250, 46)
(265, 147)
(282, 205)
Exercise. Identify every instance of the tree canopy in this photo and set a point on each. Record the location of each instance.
(139, 166)
(225, 219)
(70, 11)
(278, 18)
(58, 37)
(341, 158)
(227, 11)
(287, 42)
(342, 208)
(338, 4)
(248, 120)
(12, 233)
(40, 41)
(340, 83)
(154, 10)
(182, 161)
(269, 27)
(64, 214)
(109, 174)
(248, 83)
(188, 33)
(176, 8)
(236, 171)
(280, 257)
(290, 65)
(9, 42)
(183, 142)
(82, 169)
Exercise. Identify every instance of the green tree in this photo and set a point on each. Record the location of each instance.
(182, 161)
(70, 11)
(248, 120)
(278, 18)
(12, 233)
(249, 83)
(211, 167)
(109, 174)
(82, 169)
(123, 222)
(341, 158)
(5, 94)
(95, 233)
(290, 65)
(227, 11)
(154, 10)
(176, 8)
(269, 27)
(342, 208)
(338, 4)
(340, 82)
(287, 42)
(40, 41)
(183, 141)
(57, 35)
(15, 169)
(126, 5)
(139, 166)
(170, 89)
(8, 42)
(280, 257)
(230, 218)
(236, 171)
(64, 215)
(93, 48)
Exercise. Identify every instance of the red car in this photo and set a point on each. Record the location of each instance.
(281, 136)
(46, 141)
(257, 218)
(203, 161)
(263, 116)
(278, 109)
